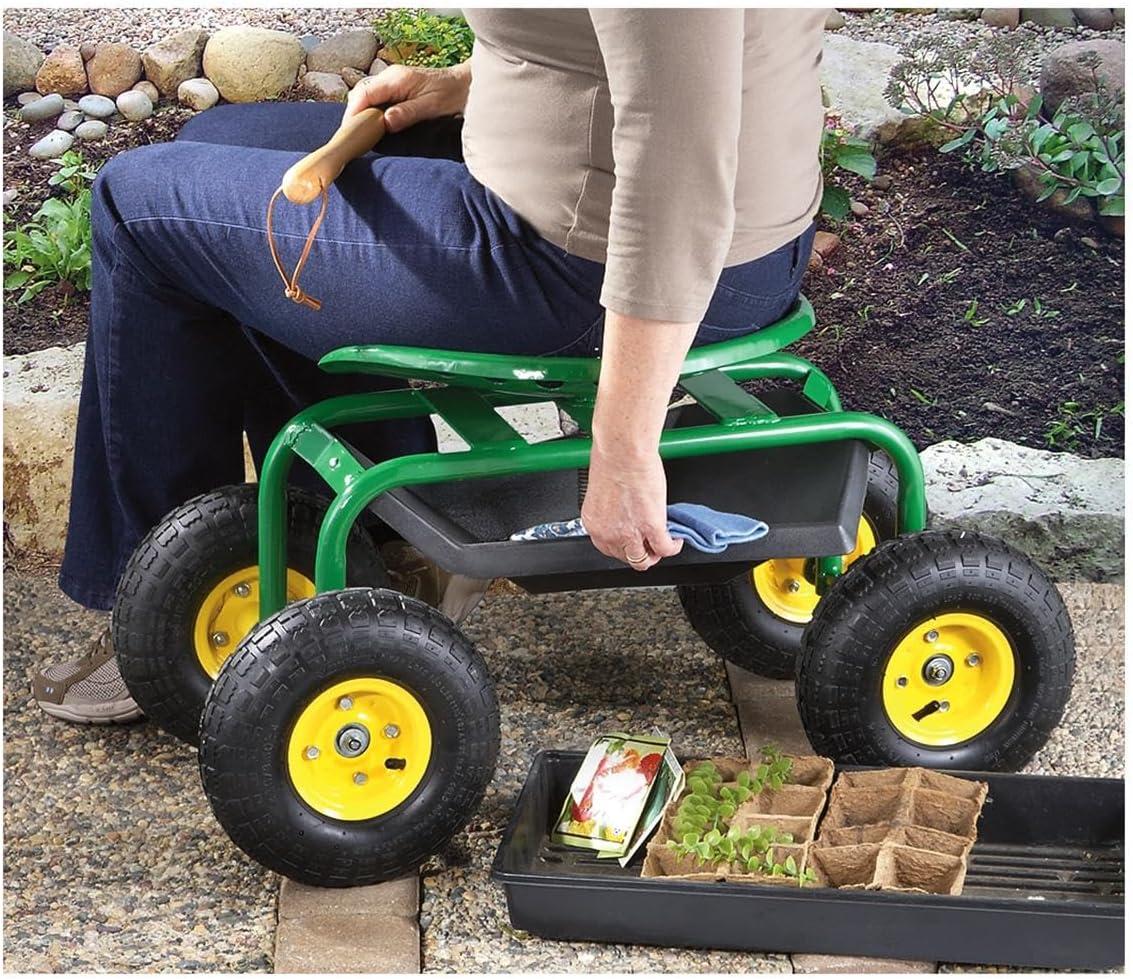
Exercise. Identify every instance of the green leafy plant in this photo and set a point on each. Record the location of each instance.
(974, 96)
(424, 39)
(1075, 422)
(55, 246)
(840, 151)
(74, 174)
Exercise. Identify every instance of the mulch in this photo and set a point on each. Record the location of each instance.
(954, 307)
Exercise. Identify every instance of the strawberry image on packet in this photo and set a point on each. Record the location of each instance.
(610, 792)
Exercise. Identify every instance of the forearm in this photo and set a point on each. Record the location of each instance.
(641, 361)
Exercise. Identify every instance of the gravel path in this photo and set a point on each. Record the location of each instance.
(893, 27)
(112, 859)
(49, 26)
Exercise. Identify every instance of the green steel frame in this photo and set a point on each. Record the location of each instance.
(478, 384)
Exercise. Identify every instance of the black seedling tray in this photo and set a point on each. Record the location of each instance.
(1045, 887)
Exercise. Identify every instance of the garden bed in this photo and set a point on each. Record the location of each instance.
(954, 307)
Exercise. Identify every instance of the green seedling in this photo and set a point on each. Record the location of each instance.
(970, 314)
(1015, 308)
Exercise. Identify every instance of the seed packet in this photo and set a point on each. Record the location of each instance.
(669, 784)
(611, 791)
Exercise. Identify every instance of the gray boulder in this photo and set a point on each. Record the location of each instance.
(97, 106)
(1061, 17)
(21, 62)
(854, 75)
(1064, 74)
(69, 120)
(174, 60)
(350, 49)
(53, 145)
(1095, 18)
(1065, 512)
(92, 129)
(43, 108)
(1000, 16)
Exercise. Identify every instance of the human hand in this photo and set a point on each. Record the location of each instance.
(624, 509)
(412, 94)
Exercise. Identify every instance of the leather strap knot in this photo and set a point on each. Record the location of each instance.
(291, 284)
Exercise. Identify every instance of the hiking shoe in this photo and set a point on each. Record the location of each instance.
(413, 574)
(89, 690)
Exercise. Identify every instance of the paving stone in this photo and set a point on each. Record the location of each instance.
(856, 965)
(348, 943)
(767, 712)
(395, 898)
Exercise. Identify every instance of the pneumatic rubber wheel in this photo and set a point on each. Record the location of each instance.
(190, 594)
(757, 620)
(947, 649)
(349, 738)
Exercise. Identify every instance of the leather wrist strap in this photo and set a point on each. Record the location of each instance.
(291, 284)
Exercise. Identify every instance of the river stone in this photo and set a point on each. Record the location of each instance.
(252, 64)
(27, 98)
(54, 144)
(134, 105)
(1065, 512)
(149, 89)
(324, 86)
(22, 60)
(174, 60)
(114, 69)
(62, 71)
(1001, 16)
(1095, 18)
(1064, 75)
(97, 106)
(377, 66)
(1061, 17)
(350, 49)
(197, 93)
(352, 76)
(92, 129)
(69, 120)
(43, 108)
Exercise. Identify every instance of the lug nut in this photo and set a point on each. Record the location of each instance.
(944, 705)
(311, 753)
(220, 638)
(973, 659)
(931, 636)
(391, 731)
(793, 585)
(243, 590)
(345, 703)
(902, 681)
(359, 778)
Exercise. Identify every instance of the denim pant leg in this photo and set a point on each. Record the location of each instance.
(413, 251)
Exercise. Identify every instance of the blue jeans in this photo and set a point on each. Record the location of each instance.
(192, 341)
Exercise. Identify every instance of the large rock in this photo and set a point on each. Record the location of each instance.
(135, 106)
(1064, 74)
(1065, 512)
(324, 86)
(1000, 16)
(41, 399)
(1095, 18)
(350, 49)
(21, 62)
(174, 60)
(1027, 179)
(63, 72)
(114, 69)
(1061, 17)
(252, 64)
(854, 75)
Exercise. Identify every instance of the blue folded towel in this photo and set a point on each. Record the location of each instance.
(705, 529)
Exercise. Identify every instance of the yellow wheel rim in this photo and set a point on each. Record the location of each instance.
(783, 587)
(231, 610)
(359, 749)
(948, 679)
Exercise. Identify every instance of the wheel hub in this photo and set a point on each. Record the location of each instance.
(948, 679)
(231, 610)
(340, 768)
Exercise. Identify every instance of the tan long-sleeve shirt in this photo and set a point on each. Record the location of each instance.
(667, 143)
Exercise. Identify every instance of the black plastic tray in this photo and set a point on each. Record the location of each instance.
(1045, 887)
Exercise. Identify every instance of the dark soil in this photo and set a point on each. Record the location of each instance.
(58, 315)
(1039, 359)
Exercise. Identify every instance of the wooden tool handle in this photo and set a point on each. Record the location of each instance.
(318, 170)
